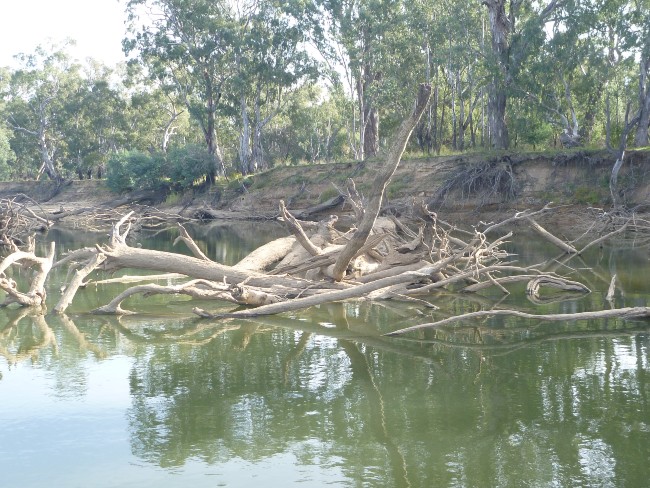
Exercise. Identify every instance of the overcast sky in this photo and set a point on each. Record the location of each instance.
(96, 25)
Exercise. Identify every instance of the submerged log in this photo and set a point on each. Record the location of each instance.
(622, 313)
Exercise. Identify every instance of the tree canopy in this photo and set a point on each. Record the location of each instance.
(244, 86)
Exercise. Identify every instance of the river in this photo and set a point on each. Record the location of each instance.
(321, 398)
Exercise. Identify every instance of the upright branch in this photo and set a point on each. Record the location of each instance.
(189, 242)
(380, 183)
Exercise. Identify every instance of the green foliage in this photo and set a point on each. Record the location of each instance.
(6, 155)
(327, 194)
(134, 170)
(189, 165)
(530, 130)
(219, 86)
(238, 182)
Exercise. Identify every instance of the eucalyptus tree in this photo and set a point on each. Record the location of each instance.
(95, 120)
(36, 106)
(6, 153)
(156, 116)
(641, 31)
(517, 30)
(459, 59)
(189, 44)
(563, 81)
(313, 127)
(354, 36)
(271, 62)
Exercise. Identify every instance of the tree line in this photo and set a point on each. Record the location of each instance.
(215, 87)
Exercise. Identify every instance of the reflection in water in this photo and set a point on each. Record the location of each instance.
(321, 397)
(570, 412)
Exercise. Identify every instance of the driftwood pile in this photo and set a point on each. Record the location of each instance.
(380, 258)
(398, 262)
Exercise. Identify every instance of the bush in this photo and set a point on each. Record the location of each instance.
(189, 165)
(135, 170)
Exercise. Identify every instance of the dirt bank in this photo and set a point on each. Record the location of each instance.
(466, 184)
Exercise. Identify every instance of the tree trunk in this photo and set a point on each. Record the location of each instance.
(454, 121)
(434, 122)
(497, 97)
(441, 130)
(245, 140)
(461, 114)
(258, 162)
(371, 133)
(46, 153)
(613, 180)
(209, 127)
(497, 116)
(641, 137)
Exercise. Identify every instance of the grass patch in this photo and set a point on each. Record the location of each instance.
(397, 188)
(327, 194)
(589, 195)
(173, 198)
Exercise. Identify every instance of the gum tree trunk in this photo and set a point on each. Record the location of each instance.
(497, 97)
(641, 137)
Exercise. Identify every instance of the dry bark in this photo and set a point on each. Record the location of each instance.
(76, 282)
(36, 294)
(551, 238)
(337, 295)
(189, 242)
(267, 255)
(299, 233)
(201, 289)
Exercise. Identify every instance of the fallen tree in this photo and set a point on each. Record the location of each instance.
(379, 258)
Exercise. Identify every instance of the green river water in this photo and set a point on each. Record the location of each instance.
(320, 398)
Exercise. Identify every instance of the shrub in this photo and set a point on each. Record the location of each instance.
(189, 165)
(134, 170)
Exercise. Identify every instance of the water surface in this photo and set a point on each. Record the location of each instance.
(320, 398)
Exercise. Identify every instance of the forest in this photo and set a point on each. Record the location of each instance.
(212, 88)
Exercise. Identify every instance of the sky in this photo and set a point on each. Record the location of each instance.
(97, 26)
